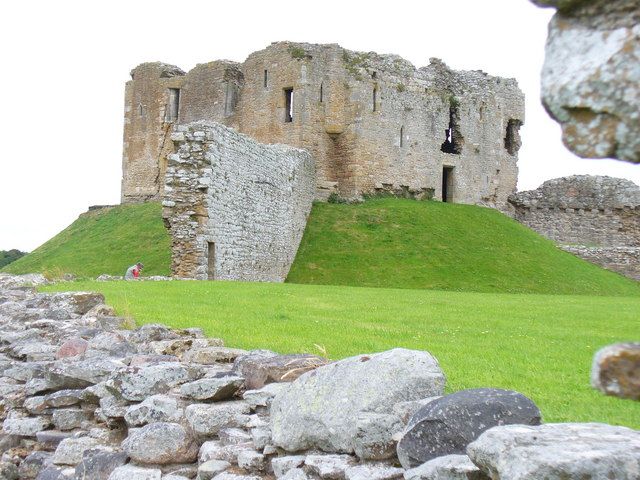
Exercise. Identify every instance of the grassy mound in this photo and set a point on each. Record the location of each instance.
(104, 241)
(409, 244)
(540, 345)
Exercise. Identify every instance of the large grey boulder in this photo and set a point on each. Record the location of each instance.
(616, 370)
(447, 425)
(562, 451)
(591, 79)
(320, 409)
(161, 443)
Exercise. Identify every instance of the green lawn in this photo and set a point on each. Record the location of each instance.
(104, 241)
(540, 345)
(409, 244)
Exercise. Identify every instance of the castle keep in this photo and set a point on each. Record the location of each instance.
(371, 122)
(353, 123)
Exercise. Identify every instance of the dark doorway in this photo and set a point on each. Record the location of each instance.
(288, 105)
(211, 261)
(447, 184)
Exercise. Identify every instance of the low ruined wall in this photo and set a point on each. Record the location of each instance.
(624, 260)
(246, 200)
(595, 227)
(594, 217)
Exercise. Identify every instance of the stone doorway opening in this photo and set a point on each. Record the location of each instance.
(211, 261)
(447, 184)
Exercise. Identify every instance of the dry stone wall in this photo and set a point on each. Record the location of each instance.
(85, 396)
(371, 122)
(594, 217)
(236, 209)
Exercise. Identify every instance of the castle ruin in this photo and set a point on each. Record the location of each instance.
(371, 122)
(368, 123)
(594, 217)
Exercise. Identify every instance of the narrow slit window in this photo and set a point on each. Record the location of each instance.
(401, 137)
(375, 97)
(174, 105)
(288, 105)
(321, 92)
(266, 79)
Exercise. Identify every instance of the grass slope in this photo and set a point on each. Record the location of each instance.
(409, 244)
(540, 345)
(104, 241)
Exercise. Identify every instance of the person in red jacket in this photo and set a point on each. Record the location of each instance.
(133, 272)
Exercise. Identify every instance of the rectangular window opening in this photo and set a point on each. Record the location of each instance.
(211, 261)
(173, 108)
(321, 93)
(266, 78)
(375, 98)
(288, 105)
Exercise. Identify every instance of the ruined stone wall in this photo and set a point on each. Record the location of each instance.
(371, 122)
(247, 201)
(596, 218)
(147, 127)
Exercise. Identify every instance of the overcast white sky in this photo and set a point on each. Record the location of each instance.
(64, 65)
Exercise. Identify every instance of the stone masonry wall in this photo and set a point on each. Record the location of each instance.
(246, 200)
(371, 122)
(147, 127)
(596, 218)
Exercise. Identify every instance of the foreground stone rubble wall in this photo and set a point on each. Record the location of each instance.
(591, 76)
(594, 217)
(371, 122)
(236, 209)
(83, 396)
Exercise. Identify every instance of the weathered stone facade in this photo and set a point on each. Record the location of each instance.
(371, 122)
(236, 209)
(594, 217)
(591, 76)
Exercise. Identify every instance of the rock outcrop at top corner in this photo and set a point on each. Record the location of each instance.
(591, 76)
